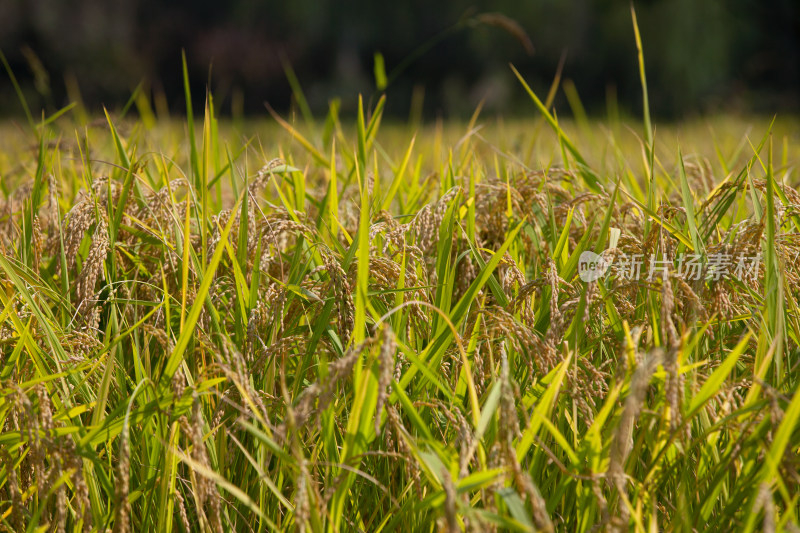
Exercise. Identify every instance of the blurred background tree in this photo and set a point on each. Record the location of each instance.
(701, 55)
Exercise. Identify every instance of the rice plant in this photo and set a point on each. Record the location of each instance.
(357, 327)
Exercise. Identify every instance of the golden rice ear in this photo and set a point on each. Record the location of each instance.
(38, 244)
(77, 221)
(86, 300)
(386, 368)
(623, 441)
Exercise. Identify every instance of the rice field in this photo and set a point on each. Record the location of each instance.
(287, 324)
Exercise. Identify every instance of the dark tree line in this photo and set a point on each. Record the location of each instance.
(702, 55)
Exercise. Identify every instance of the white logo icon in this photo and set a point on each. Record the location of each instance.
(592, 266)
